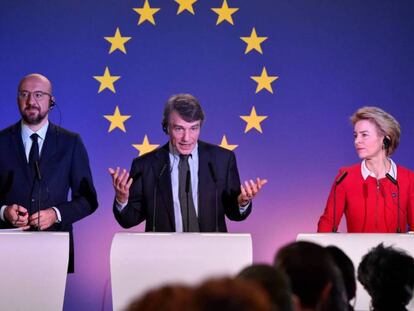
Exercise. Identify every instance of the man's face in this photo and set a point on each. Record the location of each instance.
(33, 99)
(183, 134)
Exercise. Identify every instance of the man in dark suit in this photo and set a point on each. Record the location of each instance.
(185, 186)
(39, 163)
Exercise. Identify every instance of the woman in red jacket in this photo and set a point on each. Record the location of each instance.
(376, 195)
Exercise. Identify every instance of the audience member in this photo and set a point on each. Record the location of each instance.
(388, 276)
(274, 281)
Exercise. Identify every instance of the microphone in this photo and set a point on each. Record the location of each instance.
(395, 182)
(214, 177)
(39, 178)
(337, 182)
(155, 194)
(37, 170)
(187, 190)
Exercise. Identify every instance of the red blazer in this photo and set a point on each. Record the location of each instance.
(370, 206)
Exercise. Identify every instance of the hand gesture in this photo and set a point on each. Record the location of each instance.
(121, 182)
(249, 190)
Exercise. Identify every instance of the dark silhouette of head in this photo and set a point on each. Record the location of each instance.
(388, 276)
(226, 294)
(274, 281)
(166, 298)
(346, 267)
(314, 277)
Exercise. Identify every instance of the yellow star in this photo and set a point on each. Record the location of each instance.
(117, 42)
(253, 121)
(225, 144)
(145, 147)
(107, 81)
(264, 81)
(117, 120)
(146, 13)
(186, 5)
(253, 42)
(225, 13)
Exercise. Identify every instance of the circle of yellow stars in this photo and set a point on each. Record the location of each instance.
(147, 14)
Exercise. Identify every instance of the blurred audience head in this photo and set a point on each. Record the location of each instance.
(388, 276)
(314, 277)
(346, 267)
(273, 281)
(226, 294)
(166, 298)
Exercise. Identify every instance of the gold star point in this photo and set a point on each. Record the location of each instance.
(225, 13)
(145, 147)
(146, 13)
(226, 145)
(107, 81)
(253, 121)
(264, 81)
(117, 41)
(185, 5)
(253, 42)
(117, 120)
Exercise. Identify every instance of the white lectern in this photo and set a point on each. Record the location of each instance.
(141, 261)
(33, 269)
(355, 245)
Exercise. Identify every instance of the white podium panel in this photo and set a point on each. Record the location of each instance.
(33, 269)
(356, 245)
(141, 261)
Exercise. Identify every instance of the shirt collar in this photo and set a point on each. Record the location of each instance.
(366, 172)
(27, 131)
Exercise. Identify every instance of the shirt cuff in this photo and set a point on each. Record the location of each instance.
(2, 212)
(120, 206)
(243, 208)
(59, 217)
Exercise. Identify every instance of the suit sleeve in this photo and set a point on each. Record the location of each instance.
(134, 212)
(84, 200)
(231, 205)
(326, 221)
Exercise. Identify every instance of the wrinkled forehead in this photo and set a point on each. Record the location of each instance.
(177, 120)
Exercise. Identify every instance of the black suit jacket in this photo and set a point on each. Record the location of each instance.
(64, 166)
(151, 174)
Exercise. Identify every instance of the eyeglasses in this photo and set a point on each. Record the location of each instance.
(38, 95)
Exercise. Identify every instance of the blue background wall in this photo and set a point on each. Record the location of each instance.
(331, 57)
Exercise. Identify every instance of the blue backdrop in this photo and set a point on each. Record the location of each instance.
(329, 56)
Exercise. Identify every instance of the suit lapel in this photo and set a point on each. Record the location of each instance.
(49, 148)
(164, 183)
(203, 180)
(16, 134)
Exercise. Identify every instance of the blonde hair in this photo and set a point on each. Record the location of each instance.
(384, 122)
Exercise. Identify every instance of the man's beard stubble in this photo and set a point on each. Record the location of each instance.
(33, 119)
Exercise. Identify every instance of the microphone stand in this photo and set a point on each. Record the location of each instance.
(39, 179)
(187, 190)
(337, 182)
(155, 195)
(395, 182)
(213, 175)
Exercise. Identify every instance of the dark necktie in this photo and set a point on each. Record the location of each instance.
(188, 214)
(34, 151)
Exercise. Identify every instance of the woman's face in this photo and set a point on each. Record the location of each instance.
(368, 142)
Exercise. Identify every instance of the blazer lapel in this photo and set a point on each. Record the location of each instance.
(16, 134)
(204, 157)
(164, 181)
(49, 148)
